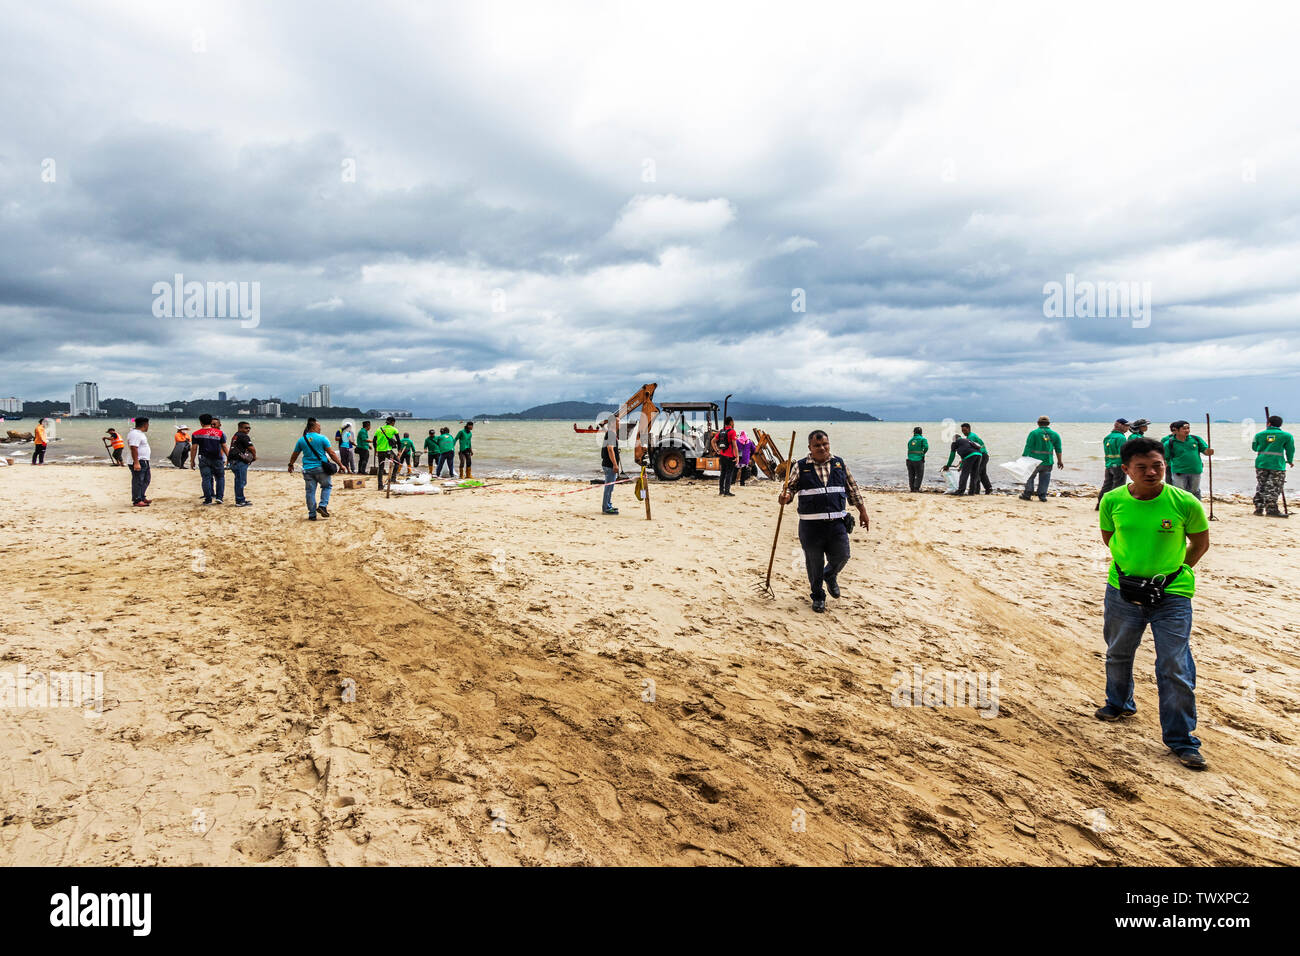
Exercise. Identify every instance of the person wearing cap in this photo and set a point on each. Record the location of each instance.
(116, 445)
(446, 452)
(464, 438)
(180, 447)
(1138, 429)
(1041, 443)
(917, 446)
(1183, 451)
(1274, 453)
(970, 464)
(1111, 446)
(431, 449)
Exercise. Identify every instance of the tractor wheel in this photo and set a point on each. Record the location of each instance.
(670, 464)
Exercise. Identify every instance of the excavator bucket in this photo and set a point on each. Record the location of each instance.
(768, 457)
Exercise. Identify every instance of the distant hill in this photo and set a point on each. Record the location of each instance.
(587, 411)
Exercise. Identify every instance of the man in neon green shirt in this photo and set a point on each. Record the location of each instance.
(386, 444)
(1111, 446)
(917, 446)
(1041, 443)
(983, 471)
(1274, 453)
(1183, 451)
(464, 438)
(1147, 526)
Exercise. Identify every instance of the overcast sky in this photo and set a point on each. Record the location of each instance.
(557, 202)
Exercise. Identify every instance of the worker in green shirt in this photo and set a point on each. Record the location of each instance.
(1183, 451)
(1138, 429)
(1111, 446)
(1274, 453)
(387, 442)
(431, 449)
(463, 438)
(1041, 443)
(983, 474)
(407, 448)
(917, 446)
(364, 444)
(1156, 534)
(446, 451)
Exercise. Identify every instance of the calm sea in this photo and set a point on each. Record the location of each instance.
(875, 451)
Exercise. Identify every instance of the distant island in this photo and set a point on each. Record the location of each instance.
(588, 411)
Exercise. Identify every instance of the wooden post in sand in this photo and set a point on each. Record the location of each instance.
(1210, 442)
(645, 490)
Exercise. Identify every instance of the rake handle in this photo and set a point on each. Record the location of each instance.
(789, 468)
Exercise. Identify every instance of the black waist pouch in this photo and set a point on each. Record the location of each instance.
(1147, 592)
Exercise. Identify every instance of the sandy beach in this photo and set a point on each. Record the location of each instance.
(501, 641)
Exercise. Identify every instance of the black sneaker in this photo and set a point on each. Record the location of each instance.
(1113, 713)
(833, 587)
(1259, 511)
(1275, 514)
(322, 511)
(311, 517)
(1192, 759)
(819, 606)
(1025, 497)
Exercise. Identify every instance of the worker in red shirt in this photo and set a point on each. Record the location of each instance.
(726, 443)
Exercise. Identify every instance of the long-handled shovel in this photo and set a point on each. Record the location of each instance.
(1285, 509)
(766, 586)
(1209, 441)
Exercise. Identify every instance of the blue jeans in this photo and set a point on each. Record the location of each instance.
(213, 471)
(445, 458)
(825, 552)
(313, 477)
(1171, 629)
(240, 468)
(610, 477)
(1044, 475)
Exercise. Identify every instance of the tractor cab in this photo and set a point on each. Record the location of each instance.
(681, 439)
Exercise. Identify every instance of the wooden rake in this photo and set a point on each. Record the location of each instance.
(765, 588)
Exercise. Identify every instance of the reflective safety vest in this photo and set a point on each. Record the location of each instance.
(117, 442)
(817, 501)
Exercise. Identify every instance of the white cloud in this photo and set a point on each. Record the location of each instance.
(648, 222)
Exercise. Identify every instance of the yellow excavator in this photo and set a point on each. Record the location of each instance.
(676, 439)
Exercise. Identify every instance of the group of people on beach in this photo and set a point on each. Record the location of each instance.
(1274, 453)
(208, 452)
(1156, 531)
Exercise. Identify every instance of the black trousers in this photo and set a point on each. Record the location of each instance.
(1115, 478)
(38, 454)
(363, 457)
(381, 458)
(915, 472)
(825, 552)
(984, 475)
(970, 471)
(140, 482)
(727, 475)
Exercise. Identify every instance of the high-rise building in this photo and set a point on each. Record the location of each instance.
(11, 404)
(325, 396)
(85, 399)
(221, 396)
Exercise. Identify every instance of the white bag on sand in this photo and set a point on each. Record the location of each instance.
(952, 477)
(1023, 467)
